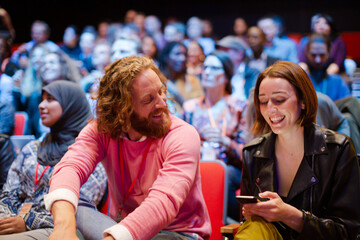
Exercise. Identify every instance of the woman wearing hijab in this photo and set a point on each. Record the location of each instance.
(65, 110)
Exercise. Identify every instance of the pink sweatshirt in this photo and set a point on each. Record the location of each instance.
(166, 196)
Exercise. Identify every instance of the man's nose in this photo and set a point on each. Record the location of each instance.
(161, 101)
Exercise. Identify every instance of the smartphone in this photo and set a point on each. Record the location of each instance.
(250, 199)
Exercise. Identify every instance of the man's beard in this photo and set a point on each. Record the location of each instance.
(147, 127)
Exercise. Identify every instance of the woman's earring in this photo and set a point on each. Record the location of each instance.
(302, 106)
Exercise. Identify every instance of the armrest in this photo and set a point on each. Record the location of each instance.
(230, 230)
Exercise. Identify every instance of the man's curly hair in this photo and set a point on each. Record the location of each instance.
(115, 106)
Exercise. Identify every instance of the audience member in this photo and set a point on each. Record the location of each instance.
(284, 49)
(208, 29)
(317, 56)
(324, 24)
(56, 66)
(71, 42)
(194, 29)
(139, 21)
(244, 77)
(6, 26)
(195, 59)
(218, 118)
(182, 86)
(65, 110)
(7, 156)
(136, 127)
(129, 16)
(153, 28)
(307, 175)
(90, 83)
(125, 47)
(257, 58)
(103, 32)
(150, 49)
(31, 82)
(7, 86)
(87, 44)
(174, 32)
(240, 28)
(115, 29)
(40, 33)
(100, 59)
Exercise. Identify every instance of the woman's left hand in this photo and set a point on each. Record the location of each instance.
(9, 225)
(274, 210)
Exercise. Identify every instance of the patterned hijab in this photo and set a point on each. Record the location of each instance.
(75, 116)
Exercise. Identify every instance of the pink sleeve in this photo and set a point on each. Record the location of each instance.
(80, 161)
(181, 152)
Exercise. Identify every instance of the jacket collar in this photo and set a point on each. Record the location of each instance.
(314, 142)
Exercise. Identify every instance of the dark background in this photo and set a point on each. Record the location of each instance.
(59, 14)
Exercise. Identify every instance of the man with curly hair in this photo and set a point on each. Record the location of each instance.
(151, 159)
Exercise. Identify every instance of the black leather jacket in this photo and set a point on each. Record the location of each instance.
(326, 187)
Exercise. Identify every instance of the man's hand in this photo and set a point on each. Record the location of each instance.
(10, 225)
(64, 221)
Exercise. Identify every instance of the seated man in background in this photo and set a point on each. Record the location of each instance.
(40, 33)
(284, 49)
(257, 58)
(125, 47)
(317, 56)
(151, 160)
(244, 76)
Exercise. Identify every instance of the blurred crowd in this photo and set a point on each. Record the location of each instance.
(210, 79)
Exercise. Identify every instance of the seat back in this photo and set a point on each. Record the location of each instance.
(352, 40)
(214, 180)
(21, 119)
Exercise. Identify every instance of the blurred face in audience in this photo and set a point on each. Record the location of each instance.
(170, 33)
(213, 74)
(317, 55)
(269, 28)
(152, 24)
(177, 58)
(123, 48)
(70, 38)
(240, 27)
(103, 29)
(50, 110)
(194, 28)
(139, 21)
(101, 56)
(38, 33)
(322, 27)
(51, 70)
(195, 54)
(87, 42)
(37, 58)
(149, 47)
(207, 28)
(256, 39)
